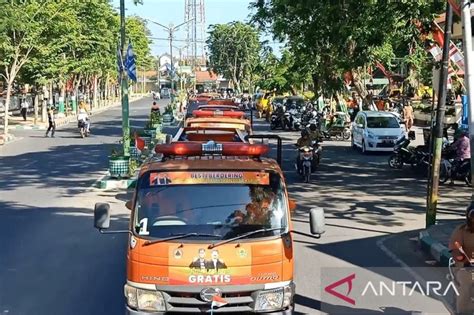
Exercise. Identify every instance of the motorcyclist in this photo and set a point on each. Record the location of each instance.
(463, 235)
(304, 140)
(83, 117)
(314, 133)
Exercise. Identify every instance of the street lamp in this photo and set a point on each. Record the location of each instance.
(171, 29)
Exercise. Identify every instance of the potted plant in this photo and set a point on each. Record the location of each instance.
(118, 164)
(168, 115)
(155, 119)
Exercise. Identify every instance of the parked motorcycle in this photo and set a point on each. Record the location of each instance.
(404, 154)
(455, 171)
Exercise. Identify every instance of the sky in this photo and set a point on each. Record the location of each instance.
(172, 11)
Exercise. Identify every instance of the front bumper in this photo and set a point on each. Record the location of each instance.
(129, 311)
(380, 145)
(240, 299)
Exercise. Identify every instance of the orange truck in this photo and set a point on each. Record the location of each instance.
(209, 232)
(219, 119)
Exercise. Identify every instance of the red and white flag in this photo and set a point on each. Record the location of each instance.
(218, 301)
(436, 52)
(456, 56)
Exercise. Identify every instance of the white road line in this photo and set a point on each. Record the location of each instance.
(416, 276)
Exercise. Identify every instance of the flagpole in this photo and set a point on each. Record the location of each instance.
(124, 87)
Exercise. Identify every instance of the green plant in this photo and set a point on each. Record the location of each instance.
(115, 152)
(169, 109)
(133, 166)
(155, 118)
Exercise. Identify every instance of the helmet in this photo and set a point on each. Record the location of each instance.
(304, 133)
(312, 127)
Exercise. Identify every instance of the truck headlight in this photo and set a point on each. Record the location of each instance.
(144, 300)
(275, 299)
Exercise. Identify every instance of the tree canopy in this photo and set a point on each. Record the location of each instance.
(233, 50)
(339, 36)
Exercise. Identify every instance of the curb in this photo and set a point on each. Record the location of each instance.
(6, 139)
(433, 247)
(29, 127)
(108, 182)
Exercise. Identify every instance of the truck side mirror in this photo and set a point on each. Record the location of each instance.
(129, 205)
(316, 221)
(102, 216)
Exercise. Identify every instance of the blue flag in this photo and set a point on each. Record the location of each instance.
(130, 65)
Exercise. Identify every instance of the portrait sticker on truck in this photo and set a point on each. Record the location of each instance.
(187, 178)
(203, 266)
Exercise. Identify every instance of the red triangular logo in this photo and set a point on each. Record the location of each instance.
(330, 289)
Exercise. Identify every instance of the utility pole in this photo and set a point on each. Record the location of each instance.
(438, 128)
(468, 70)
(124, 86)
(172, 64)
(171, 29)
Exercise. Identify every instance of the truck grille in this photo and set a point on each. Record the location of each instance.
(178, 302)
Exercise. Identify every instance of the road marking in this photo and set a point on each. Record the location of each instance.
(29, 164)
(416, 276)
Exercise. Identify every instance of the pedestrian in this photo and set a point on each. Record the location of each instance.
(408, 116)
(461, 245)
(155, 107)
(51, 123)
(24, 108)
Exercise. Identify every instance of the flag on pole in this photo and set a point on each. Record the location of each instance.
(382, 68)
(436, 52)
(119, 60)
(218, 301)
(130, 65)
(456, 5)
(456, 56)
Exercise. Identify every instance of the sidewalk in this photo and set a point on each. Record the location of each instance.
(17, 122)
(435, 240)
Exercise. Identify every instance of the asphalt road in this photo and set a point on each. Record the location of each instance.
(54, 262)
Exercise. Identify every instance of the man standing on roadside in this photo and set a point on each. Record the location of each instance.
(24, 108)
(408, 116)
(51, 122)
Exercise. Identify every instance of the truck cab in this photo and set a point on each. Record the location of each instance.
(210, 231)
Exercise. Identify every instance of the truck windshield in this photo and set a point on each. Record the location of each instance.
(212, 211)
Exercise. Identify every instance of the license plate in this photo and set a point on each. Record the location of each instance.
(388, 141)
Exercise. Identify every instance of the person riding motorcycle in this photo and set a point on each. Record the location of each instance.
(83, 117)
(314, 133)
(463, 237)
(304, 140)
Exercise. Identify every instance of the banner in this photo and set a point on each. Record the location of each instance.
(189, 178)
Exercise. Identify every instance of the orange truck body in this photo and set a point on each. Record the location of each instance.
(252, 265)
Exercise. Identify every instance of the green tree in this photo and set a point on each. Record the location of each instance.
(233, 51)
(24, 32)
(340, 36)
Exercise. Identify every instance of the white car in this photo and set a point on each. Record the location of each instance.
(376, 131)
